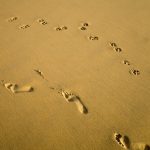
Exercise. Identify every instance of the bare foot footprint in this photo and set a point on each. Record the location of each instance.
(122, 140)
(12, 19)
(134, 72)
(70, 97)
(140, 146)
(14, 88)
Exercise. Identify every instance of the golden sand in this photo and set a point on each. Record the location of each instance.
(95, 51)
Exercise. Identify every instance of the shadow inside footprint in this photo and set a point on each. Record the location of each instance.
(147, 147)
(85, 110)
(25, 89)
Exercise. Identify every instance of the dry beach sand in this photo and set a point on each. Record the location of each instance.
(75, 75)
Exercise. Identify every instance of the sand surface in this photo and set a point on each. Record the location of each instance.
(55, 45)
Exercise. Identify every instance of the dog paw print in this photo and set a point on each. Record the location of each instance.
(115, 47)
(61, 28)
(93, 38)
(126, 62)
(24, 26)
(112, 44)
(118, 49)
(134, 72)
(42, 21)
(12, 19)
(84, 26)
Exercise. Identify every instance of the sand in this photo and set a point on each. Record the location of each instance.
(99, 50)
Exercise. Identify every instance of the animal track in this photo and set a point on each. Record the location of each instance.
(118, 49)
(14, 88)
(42, 21)
(113, 44)
(115, 47)
(85, 24)
(70, 97)
(122, 140)
(12, 19)
(134, 72)
(126, 62)
(24, 26)
(83, 28)
(64, 28)
(58, 29)
(93, 38)
(61, 28)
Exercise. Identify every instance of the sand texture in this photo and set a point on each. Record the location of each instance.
(74, 74)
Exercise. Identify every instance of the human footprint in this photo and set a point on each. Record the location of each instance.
(14, 88)
(122, 140)
(70, 97)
